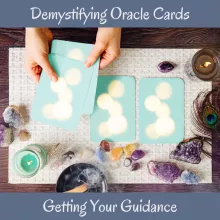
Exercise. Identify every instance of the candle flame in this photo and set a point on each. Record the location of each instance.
(206, 64)
(30, 162)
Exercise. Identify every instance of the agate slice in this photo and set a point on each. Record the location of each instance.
(165, 67)
(190, 178)
(127, 162)
(168, 172)
(188, 151)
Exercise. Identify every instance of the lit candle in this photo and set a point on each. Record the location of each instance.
(28, 161)
(206, 65)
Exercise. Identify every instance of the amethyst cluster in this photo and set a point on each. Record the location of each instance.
(168, 172)
(188, 151)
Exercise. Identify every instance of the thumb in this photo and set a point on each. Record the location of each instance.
(46, 66)
(95, 53)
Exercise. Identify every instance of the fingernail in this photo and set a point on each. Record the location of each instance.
(87, 63)
(54, 79)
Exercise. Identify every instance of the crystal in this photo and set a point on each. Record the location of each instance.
(68, 155)
(116, 153)
(87, 153)
(100, 155)
(24, 135)
(135, 166)
(13, 116)
(127, 162)
(105, 145)
(6, 136)
(188, 151)
(165, 67)
(137, 154)
(167, 172)
(129, 149)
(190, 178)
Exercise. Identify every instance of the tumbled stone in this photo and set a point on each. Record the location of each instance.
(100, 155)
(137, 154)
(168, 172)
(105, 145)
(116, 153)
(190, 178)
(165, 67)
(13, 116)
(6, 136)
(129, 149)
(135, 166)
(24, 135)
(127, 162)
(188, 151)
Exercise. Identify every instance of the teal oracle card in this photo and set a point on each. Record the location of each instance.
(79, 51)
(61, 103)
(161, 110)
(113, 118)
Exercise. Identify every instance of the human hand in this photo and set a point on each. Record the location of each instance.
(37, 42)
(107, 46)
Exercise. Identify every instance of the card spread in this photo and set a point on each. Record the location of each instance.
(161, 110)
(79, 51)
(61, 103)
(113, 118)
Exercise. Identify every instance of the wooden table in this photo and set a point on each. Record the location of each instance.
(131, 38)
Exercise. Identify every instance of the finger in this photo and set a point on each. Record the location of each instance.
(45, 64)
(34, 72)
(95, 53)
(107, 59)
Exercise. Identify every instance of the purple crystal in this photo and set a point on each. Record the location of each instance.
(127, 162)
(6, 136)
(167, 172)
(135, 166)
(188, 151)
(137, 154)
(165, 67)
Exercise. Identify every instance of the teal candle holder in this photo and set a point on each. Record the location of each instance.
(28, 161)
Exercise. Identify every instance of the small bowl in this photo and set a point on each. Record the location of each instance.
(80, 173)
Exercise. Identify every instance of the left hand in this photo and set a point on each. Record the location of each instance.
(107, 46)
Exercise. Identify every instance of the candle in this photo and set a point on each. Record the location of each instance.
(206, 65)
(28, 161)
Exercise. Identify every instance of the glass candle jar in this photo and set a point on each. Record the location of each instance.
(28, 161)
(206, 65)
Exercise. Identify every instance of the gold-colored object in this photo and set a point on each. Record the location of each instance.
(24, 135)
(205, 65)
(79, 189)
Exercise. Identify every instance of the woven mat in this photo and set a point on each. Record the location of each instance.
(134, 62)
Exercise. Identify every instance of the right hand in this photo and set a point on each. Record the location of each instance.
(37, 44)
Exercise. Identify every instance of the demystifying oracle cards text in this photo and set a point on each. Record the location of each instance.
(116, 13)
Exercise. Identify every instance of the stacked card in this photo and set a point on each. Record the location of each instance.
(62, 103)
